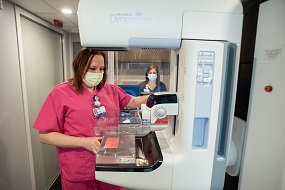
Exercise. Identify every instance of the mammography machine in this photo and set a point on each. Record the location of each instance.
(192, 151)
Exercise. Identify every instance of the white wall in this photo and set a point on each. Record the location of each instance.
(41, 66)
(25, 163)
(72, 37)
(14, 162)
(263, 165)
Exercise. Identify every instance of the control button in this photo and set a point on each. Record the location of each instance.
(200, 72)
(206, 75)
(206, 71)
(210, 75)
(206, 53)
(160, 113)
(199, 78)
(206, 80)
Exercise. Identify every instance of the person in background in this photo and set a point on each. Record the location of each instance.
(69, 114)
(152, 81)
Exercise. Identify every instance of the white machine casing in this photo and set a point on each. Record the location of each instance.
(129, 24)
(206, 35)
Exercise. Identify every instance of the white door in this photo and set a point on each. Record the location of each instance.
(41, 64)
(263, 166)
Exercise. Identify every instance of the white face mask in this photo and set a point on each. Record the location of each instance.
(93, 79)
(152, 77)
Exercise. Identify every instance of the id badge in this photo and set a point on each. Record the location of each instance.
(99, 111)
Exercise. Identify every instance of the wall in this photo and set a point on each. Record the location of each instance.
(25, 163)
(74, 46)
(263, 163)
(41, 66)
(14, 163)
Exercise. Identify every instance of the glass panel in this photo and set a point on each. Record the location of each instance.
(131, 66)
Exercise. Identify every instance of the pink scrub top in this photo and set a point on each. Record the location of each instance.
(65, 111)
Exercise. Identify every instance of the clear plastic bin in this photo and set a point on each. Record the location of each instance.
(121, 122)
(117, 149)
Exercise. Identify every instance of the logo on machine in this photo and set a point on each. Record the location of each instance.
(129, 18)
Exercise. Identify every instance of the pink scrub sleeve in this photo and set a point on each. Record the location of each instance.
(124, 97)
(49, 119)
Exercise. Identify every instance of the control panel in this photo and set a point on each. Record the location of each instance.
(204, 85)
(205, 67)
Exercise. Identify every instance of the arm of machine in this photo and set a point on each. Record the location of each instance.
(159, 106)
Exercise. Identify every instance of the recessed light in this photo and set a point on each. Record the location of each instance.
(66, 11)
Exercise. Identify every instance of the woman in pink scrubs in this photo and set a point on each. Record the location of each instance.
(69, 114)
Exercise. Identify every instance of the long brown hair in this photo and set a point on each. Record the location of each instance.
(80, 66)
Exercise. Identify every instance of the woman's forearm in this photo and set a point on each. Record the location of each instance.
(60, 140)
(137, 101)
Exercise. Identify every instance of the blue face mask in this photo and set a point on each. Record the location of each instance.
(152, 77)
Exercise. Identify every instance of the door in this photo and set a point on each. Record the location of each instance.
(41, 67)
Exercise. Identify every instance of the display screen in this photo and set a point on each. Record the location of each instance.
(155, 99)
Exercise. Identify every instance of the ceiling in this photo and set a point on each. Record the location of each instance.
(49, 10)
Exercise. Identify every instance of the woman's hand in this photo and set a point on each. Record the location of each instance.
(91, 143)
